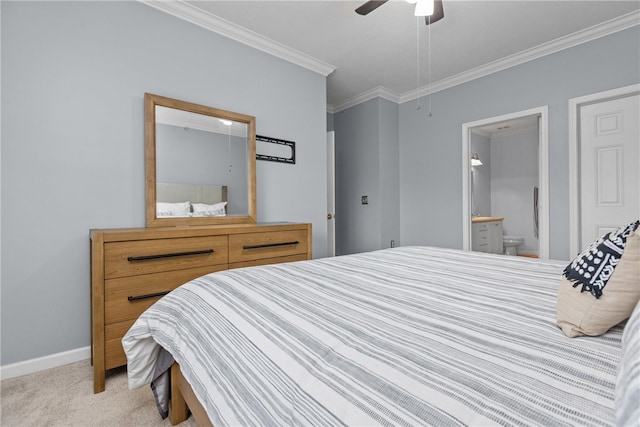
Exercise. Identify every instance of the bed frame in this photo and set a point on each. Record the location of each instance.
(183, 400)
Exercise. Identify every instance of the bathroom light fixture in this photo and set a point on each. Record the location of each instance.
(475, 160)
(226, 122)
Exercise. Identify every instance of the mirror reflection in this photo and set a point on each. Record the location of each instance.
(200, 164)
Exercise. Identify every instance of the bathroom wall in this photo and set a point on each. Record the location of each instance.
(503, 184)
(514, 174)
(481, 175)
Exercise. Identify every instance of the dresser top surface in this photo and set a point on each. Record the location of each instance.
(113, 234)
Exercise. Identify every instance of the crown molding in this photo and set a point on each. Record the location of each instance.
(376, 92)
(603, 29)
(197, 16)
(600, 30)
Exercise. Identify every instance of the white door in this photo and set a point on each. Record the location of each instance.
(609, 158)
(331, 194)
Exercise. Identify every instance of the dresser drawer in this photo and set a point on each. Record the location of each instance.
(144, 264)
(114, 352)
(127, 297)
(255, 246)
(156, 255)
(267, 261)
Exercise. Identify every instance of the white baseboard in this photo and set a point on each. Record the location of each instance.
(46, 362)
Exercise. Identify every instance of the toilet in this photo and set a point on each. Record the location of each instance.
(511, 243)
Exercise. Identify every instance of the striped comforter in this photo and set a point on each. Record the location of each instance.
(405, 337)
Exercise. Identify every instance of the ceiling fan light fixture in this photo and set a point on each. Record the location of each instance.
(424, 8)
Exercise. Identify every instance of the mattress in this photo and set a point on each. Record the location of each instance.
(404, 336)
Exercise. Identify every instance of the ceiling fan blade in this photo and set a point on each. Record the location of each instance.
(370, 6)
(438, 13)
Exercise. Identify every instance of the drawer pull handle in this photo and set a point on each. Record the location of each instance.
(269, 245)
(145, 296)
(148, 257)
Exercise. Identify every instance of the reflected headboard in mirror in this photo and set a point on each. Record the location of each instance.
(200, 164)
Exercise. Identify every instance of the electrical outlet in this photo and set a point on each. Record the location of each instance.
(365, 200)
(393, 243)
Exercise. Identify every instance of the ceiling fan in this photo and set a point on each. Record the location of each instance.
(432, 10)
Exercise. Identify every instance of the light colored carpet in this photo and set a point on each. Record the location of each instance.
(63, 396)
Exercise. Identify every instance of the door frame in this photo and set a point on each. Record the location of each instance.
(574, 154)
(543, 175)
(331, 193)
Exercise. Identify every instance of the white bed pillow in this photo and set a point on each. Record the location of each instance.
(173, 209)
(627, 394)
(216, 209)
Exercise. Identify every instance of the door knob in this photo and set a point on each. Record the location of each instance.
(330, 216)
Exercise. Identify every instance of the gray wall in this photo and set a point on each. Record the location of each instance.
(514, 174)
(367, 165)
(431, 148)
(389, 174)
(73, 79)
(330, 126)
(192, 156)
(481, 175)
(503, 184)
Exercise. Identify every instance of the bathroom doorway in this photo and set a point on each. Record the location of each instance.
(505, 184)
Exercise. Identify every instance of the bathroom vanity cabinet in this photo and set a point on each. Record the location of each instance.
(486, 234)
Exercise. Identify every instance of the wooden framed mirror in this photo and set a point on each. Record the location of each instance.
(200, 164)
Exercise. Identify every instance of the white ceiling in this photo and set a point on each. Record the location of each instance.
(508, 126)
(378, 53)
(190, 120)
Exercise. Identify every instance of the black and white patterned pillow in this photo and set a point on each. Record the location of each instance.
(595, 265)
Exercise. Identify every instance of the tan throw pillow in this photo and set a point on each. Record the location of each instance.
(581, 313)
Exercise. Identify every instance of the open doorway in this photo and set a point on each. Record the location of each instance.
(505, 184)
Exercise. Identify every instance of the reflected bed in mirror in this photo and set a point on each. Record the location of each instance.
(185, 200)
(200, 164)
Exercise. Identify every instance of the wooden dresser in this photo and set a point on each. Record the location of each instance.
(132, 268)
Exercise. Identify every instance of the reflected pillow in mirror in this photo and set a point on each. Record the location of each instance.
(173, 209)
(203, 209)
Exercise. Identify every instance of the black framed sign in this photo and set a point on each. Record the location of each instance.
(275, 150)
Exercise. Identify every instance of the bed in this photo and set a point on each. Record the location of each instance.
(190, 200)
(402, 336)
